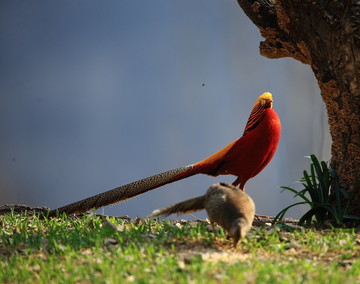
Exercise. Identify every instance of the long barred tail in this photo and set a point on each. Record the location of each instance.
(187, 206)
(127, 191)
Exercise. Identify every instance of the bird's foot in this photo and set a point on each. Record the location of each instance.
(261, 216)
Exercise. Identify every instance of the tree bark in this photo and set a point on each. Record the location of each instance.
(326, 35)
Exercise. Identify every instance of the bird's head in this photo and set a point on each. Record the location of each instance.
(265, 100)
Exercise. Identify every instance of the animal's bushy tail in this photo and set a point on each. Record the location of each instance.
(187, 206)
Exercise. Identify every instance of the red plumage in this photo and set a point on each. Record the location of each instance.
(248, 155)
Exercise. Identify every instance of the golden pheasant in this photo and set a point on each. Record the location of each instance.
(244, 158)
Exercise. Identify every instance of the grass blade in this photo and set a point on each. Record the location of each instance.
(297, 193)
(281, 214)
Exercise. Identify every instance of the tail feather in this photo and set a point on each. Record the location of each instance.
(187, 206)
(127, 191)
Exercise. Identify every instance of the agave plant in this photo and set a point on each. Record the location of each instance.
(322, 192)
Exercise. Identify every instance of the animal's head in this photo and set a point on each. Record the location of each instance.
(239, 229)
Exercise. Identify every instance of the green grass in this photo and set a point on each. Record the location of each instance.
(91, 249)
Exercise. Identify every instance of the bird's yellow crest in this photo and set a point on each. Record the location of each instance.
(265, 99)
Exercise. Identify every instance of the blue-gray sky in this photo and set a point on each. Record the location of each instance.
(96, 94)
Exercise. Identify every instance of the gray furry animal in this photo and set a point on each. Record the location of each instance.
(225, 204)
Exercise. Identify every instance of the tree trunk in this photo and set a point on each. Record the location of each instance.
(326, 35)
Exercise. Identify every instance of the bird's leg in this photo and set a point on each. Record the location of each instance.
(236, 182)
(261, 216)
